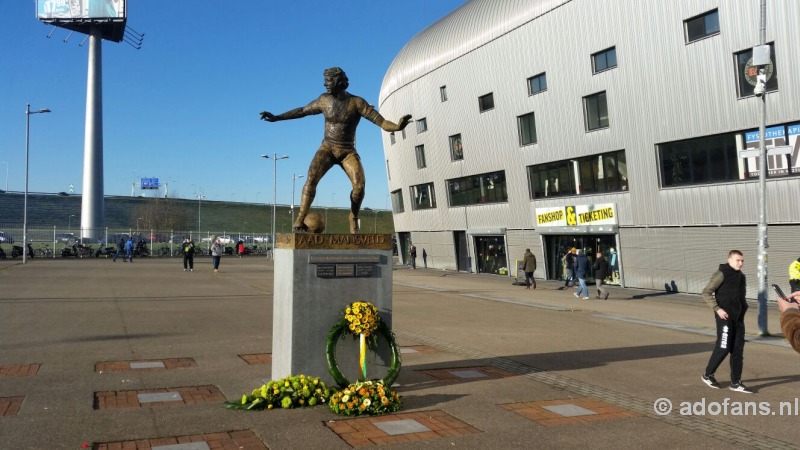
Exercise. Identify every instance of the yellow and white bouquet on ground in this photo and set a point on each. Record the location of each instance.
(365, 397)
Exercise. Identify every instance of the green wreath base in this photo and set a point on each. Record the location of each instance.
(341, 328)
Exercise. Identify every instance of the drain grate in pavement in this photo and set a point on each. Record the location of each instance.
(187, 395)
(576, 410)
(468, 373)
(144, 364)
(411, 349)
(257, 358)
(19, 370)
(10, 406)
(242, 440)
(402, 427)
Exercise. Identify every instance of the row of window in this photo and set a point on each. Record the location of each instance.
(589, 175)
(697, 161)
(715, 159)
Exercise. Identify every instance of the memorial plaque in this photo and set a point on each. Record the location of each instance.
(344, 270)
(326, 270)
(364, 270)
(340, 259)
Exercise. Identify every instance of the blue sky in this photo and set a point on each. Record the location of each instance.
(185, 107)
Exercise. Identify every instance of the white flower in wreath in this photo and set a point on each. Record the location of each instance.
(367, 402)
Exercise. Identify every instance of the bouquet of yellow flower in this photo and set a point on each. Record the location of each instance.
(365, 397)
(362, 318)
(285, 393)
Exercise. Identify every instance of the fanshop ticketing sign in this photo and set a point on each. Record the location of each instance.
(577, 215)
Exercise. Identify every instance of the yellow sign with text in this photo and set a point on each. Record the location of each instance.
(577, 215)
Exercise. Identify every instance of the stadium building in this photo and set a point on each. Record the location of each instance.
(612, 126)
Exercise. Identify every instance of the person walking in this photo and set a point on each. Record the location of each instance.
(569, 267)
(120, 250)
(794, 275)
(188, 255)
(216, 253)
(725, 294)
(581, 272)
(424, 258)
(128, 250)
(412, 253)
(601, 272)
(240, 248)
(529, 266)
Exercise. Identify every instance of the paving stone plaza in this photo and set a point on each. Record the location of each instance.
(95, 354)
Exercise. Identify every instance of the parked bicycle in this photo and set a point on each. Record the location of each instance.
(43, 252)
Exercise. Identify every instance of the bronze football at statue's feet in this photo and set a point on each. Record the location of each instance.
(312, 223)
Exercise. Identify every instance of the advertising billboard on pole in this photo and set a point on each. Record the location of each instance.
(80, 9)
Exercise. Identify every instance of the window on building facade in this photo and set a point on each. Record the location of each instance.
(422, 125)
(607, 172)
(388, 172)
(746, 73)
(391, 138)
(478, 189)
(420, 151)
(604, 60)
(603, 173)
(486, 102)
(537, 84)
(443, 93)
(704, 25)
(423, 196)
(397, 201)
(403, 133)
(526, 124)
(456, 150)
(595, 109)
(710, 159)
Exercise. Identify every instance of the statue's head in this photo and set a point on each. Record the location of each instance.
(335, 79)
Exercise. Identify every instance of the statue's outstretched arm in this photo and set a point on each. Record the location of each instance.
(293, 114)
(388, 125)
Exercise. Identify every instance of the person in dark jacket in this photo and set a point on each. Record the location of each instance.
(569, 268)
(188, 255)
(601, 272)
(582, 272)
(725, 293)
(120, 250)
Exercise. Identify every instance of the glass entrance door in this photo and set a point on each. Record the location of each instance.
(556, 246)
(490, 252)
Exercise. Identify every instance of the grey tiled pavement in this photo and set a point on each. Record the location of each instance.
(629, 351)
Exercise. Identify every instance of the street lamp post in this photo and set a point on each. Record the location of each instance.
(200, 198)
(69, 222)
(275, 159)
(28, 113)
(137, 224)
(376, 221)
(294, 177)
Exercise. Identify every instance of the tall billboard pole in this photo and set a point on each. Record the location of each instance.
(98, 19)
(93, 200)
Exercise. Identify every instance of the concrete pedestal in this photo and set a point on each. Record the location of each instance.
(316, 277)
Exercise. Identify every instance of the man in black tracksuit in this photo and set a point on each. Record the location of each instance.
(725, 293)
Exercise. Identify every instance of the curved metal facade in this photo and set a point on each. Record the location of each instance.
(661, 90)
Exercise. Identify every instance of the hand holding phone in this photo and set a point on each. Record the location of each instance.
(780, 293)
